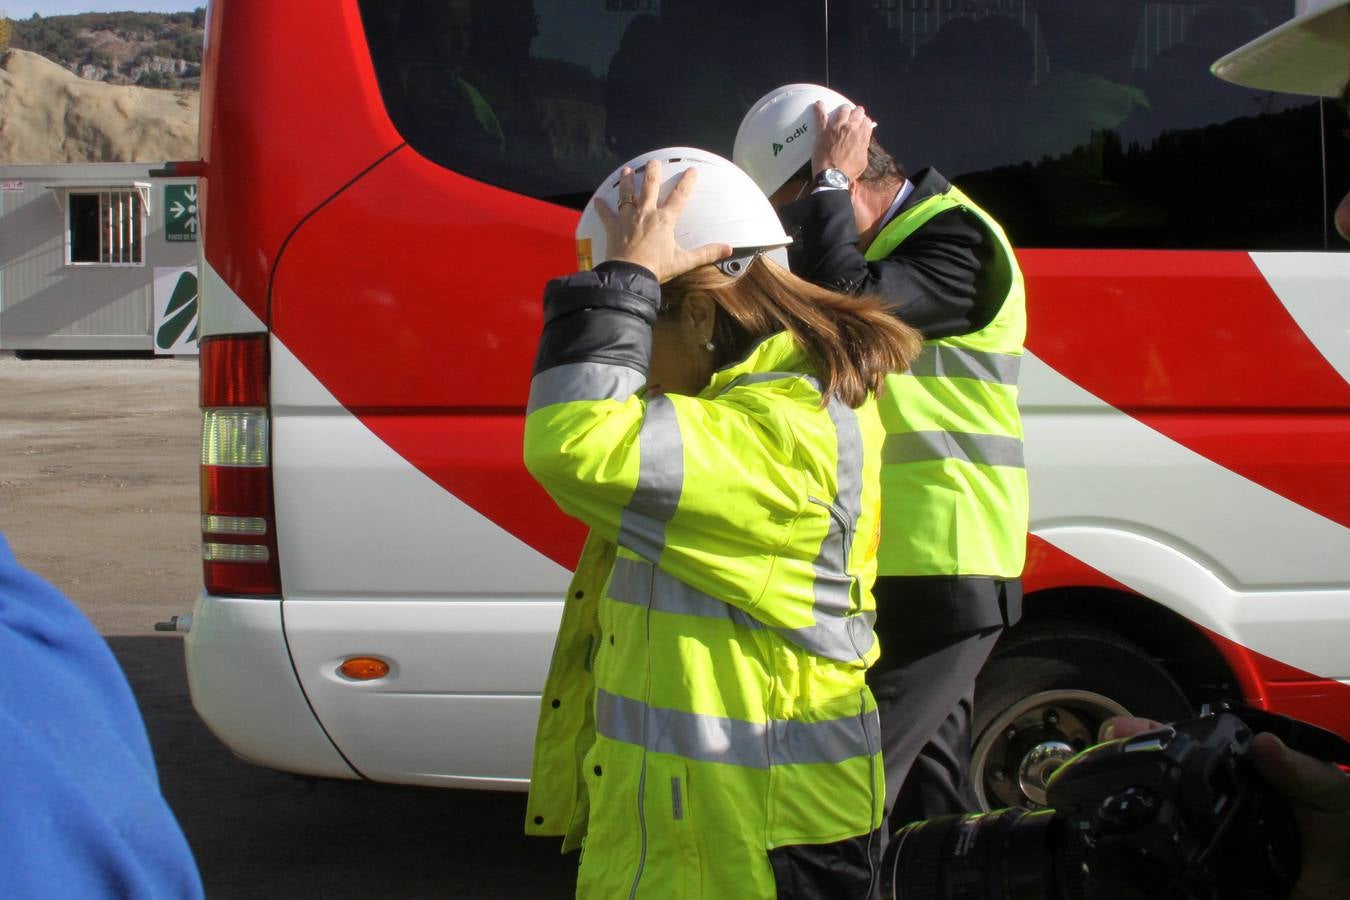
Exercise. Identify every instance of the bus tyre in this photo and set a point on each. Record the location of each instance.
(1041, 697)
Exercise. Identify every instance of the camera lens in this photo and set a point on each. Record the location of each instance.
(1011, 853)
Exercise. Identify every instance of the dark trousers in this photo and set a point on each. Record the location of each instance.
(846, 870)
(936, 634)
(926, 702)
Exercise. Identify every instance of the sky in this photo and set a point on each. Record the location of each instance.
(23, 9)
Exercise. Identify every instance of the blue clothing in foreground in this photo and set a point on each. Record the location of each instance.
(79, 795)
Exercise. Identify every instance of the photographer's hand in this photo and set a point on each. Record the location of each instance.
(1318, 793)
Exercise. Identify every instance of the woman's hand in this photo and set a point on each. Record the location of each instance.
(642, 230)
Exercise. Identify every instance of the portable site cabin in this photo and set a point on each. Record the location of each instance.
(97, 257)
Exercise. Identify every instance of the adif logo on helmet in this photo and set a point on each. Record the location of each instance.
(801, 130)
(725, 207)
(762, 151)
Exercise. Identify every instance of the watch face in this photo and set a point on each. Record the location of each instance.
(834, 178)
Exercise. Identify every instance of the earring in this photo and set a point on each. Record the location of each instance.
(709, 346)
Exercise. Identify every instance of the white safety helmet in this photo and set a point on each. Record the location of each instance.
(1309, 54)
(777, 134)
(724, 208)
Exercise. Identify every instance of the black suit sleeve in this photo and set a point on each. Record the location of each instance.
(948, 278)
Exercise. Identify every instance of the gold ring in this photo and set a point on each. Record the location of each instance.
(629, 201)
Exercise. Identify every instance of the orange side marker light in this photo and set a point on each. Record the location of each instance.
(364, 668)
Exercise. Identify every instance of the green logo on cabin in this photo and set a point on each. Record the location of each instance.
(180, 212)
(180, 313)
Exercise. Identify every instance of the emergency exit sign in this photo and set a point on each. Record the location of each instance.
(180, 212)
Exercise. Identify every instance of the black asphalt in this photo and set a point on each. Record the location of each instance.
(261, 834)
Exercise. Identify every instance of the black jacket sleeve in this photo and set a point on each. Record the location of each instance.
(947, 278)
(605, 315)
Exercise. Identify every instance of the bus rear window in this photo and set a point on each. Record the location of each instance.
(548, 98)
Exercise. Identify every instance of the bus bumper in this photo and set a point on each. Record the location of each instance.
(244, 688)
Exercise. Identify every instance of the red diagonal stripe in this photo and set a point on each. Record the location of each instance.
(1197, 346)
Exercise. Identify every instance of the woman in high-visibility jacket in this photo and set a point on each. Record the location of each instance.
(706, 730)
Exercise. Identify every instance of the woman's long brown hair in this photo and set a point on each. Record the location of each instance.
(852, 340)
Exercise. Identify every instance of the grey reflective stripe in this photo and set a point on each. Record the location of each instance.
(848, 478)
(640, 583)
(981, 449)
(844, 639)
(642, 524)
(835, 634)
(717, 739)
(583, 381)
(761, 377)
(941, 360)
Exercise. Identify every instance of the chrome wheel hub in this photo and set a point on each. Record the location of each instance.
(1023, 746)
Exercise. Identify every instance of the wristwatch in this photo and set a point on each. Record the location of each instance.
(834, 180)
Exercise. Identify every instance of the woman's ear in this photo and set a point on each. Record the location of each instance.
(700, 314)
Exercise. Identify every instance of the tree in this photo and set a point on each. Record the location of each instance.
(6, 31)
(162, 80)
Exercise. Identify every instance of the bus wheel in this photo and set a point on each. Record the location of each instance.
(1042, 696)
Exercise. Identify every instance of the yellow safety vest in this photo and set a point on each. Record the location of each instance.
(706, 699)
(953, 479)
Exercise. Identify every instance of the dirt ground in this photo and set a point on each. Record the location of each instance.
(98, 483)
(98, 493)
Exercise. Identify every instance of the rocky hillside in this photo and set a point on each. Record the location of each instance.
(145, 49)
(50, 115)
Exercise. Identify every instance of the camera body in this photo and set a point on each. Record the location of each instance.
(1177, 810)
(1174, 813)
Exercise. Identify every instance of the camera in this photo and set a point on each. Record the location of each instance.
(1178, 813)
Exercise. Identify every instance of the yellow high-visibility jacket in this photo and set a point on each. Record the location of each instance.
(705, 702)
(953, 474)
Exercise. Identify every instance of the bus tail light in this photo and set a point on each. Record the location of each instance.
(239, 545)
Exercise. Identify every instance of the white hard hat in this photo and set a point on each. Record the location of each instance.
(724, 208)
(1309, 54)
(777, 134)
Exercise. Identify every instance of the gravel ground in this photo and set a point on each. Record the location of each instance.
(98, 482)
(98, 493)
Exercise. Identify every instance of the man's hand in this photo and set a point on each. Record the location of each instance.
(1319, 795)
(642, 230)
(842, 138)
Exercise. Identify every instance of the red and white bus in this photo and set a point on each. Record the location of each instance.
(383, 578)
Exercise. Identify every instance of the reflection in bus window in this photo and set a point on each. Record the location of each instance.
(1090, 122)
(1091, 87)
(434, 45)
(560, 93)
(1075, 122)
